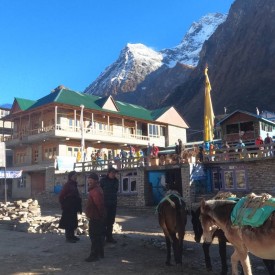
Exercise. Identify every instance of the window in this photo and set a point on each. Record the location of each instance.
(129, 185)
(266, 127)
(20, 157)
(216, 180)
(247, 126)
(162, 131)
(228, 180)
(4, 113)
(101, 126)
(240, 179)
(50, 153)
(139, 132)
(71, 151)
(21, 183)
(153, 130)
(71, 124)
(234, 179)
(46, 154)
(232, 128)
(35, 155)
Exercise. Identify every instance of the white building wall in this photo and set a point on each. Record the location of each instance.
(62, 150)
(175, 133)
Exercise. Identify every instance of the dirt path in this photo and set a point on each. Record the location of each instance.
(140, 250)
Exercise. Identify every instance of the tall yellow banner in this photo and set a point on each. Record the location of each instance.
(208, 111)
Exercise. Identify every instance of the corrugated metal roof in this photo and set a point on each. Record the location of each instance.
(69, 97)
(24, 104)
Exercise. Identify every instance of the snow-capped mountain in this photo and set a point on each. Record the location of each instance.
(187, 52)
(137, 62)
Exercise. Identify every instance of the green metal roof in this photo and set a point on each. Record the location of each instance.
(24, 104)
(69, 97)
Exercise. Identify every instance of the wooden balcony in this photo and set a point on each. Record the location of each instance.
(248, 153)
(61, 131)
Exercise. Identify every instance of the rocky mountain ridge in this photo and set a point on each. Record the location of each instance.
(241, 60)
(139, 68)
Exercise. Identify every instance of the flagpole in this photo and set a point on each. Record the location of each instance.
(82, 132)
(5, 182)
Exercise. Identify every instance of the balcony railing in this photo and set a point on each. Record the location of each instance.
(252, 152)
(59, 130)
(101, 165)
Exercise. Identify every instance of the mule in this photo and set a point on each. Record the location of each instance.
(218, 233)
(260, 241)
(197, 227)
(172, 217)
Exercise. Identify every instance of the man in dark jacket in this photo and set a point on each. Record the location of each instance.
(71, 204)
(110, 184)
(95, 212)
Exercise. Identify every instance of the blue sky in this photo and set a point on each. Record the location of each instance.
(46, 43)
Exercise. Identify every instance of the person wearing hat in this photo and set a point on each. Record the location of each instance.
(95, 212)
(71, 204)
(110, 184)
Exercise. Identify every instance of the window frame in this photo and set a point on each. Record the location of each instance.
(131, 187)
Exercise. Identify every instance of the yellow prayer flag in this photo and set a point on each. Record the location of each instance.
(208, 111)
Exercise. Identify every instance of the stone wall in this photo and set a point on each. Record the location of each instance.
(136, 199)
(186, 184)
(260, 178)
(260, 175)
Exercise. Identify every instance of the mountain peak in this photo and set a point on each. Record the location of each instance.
(137, 61)
(187, 52)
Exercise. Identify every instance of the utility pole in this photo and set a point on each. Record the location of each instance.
(82, 132)
(3, 165)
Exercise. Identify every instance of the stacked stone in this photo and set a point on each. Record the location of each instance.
(26, 217)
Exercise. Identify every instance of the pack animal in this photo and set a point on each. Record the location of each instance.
(218, 233)
(259, 241)
(198, 231)
(172, 217)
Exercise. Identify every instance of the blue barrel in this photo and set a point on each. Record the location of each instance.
(57, 189)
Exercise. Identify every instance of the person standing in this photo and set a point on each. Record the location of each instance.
(180, 147)
(178, 150)
(71, 204)
(148, 154)
(123, 155)
(267, 141)
(259, 146)
(155, 151)
(95, 212)
(240, 148)
(110, 184)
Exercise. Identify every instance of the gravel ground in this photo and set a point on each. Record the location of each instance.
(140, 250)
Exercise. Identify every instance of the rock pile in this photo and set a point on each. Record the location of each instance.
(26, 217)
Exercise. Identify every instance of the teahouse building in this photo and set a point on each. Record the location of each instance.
(52, 133)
